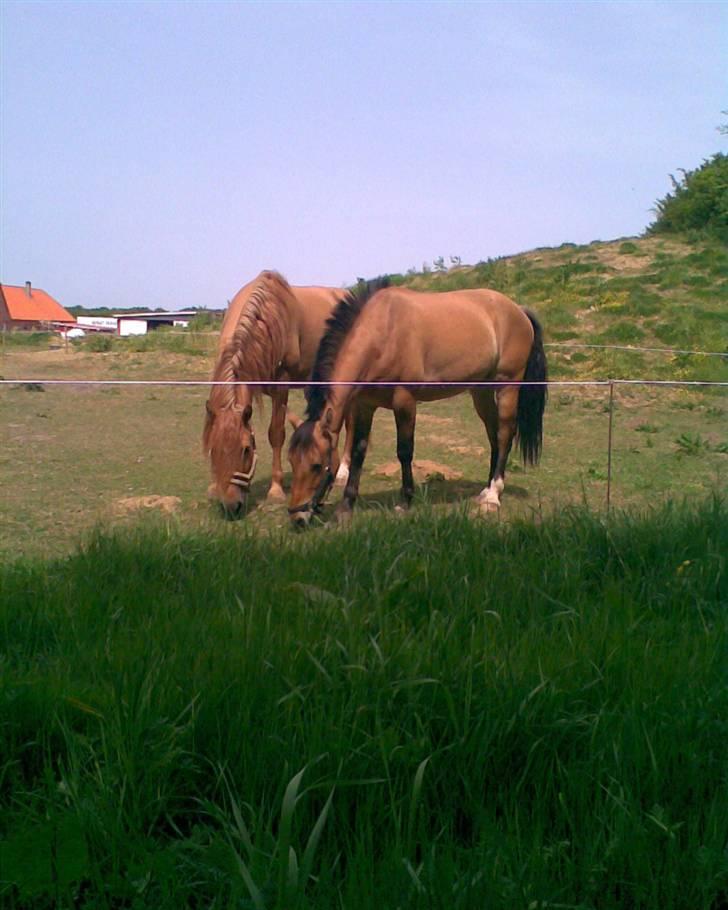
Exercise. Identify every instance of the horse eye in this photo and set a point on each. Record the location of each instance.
(316, 468)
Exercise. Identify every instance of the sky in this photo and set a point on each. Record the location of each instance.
(161, 154)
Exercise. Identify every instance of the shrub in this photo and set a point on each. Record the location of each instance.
(699, 201)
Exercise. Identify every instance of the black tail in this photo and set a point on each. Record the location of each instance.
(532, 398)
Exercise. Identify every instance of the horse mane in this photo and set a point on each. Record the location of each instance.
(338, 326)
(258, 343)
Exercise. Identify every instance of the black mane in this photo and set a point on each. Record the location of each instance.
(338, 326)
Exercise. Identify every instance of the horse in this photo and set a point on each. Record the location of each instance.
(271, 331)
(402, 337)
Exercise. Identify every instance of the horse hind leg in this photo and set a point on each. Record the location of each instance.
(405, 415)
(498, 413)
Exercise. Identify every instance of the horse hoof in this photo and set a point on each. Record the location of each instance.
(400, 510)
(342, 516)
(489, 506)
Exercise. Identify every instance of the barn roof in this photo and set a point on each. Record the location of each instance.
(33, 305)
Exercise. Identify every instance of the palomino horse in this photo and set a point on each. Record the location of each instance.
(401, 337)
(271, 331)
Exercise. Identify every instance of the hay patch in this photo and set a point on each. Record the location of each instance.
(131, 504)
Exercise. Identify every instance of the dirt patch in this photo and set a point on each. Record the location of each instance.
(422, 469)
(168, 504)
(478, 451)
(434, 421)
(439, 439)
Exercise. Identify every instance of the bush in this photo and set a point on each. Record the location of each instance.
(699, 201)
(98, 343)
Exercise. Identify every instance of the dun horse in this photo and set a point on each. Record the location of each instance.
(271, 331)
(402, 337)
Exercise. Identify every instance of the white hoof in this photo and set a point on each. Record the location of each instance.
(489, 500)
(276, 494)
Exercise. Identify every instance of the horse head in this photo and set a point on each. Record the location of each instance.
(229, 441)
(314, 457)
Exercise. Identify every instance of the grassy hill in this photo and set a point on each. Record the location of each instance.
(666, 292)
(658, 291)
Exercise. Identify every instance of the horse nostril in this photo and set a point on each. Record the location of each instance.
(232, 510)
(300, 522)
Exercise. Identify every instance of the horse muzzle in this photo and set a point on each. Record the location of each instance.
(302, 514)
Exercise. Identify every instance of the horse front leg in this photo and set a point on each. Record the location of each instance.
(276, 438)
(405, 415)
(362, 420)
(342, 475)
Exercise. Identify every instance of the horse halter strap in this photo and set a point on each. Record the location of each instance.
(242, 479)
(315, 503)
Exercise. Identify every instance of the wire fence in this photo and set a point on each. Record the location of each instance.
(610, 384)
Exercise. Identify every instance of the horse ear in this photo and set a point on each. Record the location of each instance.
(247, 413)
(294, 421)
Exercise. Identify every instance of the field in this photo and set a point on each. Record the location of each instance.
(437, 711)
(78, 456)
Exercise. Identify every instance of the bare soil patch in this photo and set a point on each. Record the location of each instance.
(423, 469)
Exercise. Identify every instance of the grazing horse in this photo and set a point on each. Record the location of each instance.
(271, 331)
(401, 337)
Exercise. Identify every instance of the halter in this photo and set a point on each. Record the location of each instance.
(242, 479)
(315, 503)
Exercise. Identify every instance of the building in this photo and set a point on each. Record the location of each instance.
(141, 323)
(30, 309)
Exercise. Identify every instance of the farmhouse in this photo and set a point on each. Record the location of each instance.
(30, 308)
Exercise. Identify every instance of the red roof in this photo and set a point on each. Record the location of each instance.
(33, 306)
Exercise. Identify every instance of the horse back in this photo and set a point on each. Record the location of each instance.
(456, 335)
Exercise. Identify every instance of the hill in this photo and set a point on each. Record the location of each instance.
(666, 292)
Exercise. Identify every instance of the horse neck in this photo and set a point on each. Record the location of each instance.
(351, 365)
(231, 394)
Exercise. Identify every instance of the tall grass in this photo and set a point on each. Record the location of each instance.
(421, 713)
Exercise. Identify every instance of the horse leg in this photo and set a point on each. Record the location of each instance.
(276, 438)
(342, 475)
(487, 410)
(499, 416)
(405, 414)
(362, 420)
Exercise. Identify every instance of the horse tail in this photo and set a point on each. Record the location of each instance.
(532, 398)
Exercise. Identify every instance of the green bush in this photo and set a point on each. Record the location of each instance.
(26, 339)
(98, 343)
(699, 201)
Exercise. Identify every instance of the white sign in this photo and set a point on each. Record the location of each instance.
(98, 322)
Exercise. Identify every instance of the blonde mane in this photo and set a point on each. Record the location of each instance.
(258, 342)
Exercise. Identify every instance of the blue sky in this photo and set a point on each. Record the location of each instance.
(162, 154)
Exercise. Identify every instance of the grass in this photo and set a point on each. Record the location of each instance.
(431, 712)
(435, 712)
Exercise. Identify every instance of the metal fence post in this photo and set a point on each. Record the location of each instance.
(609, 445)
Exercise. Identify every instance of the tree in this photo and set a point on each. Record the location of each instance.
(698, 202)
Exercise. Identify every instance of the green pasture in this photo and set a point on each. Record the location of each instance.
(73, 457)
(415, 713)
(525, 710)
